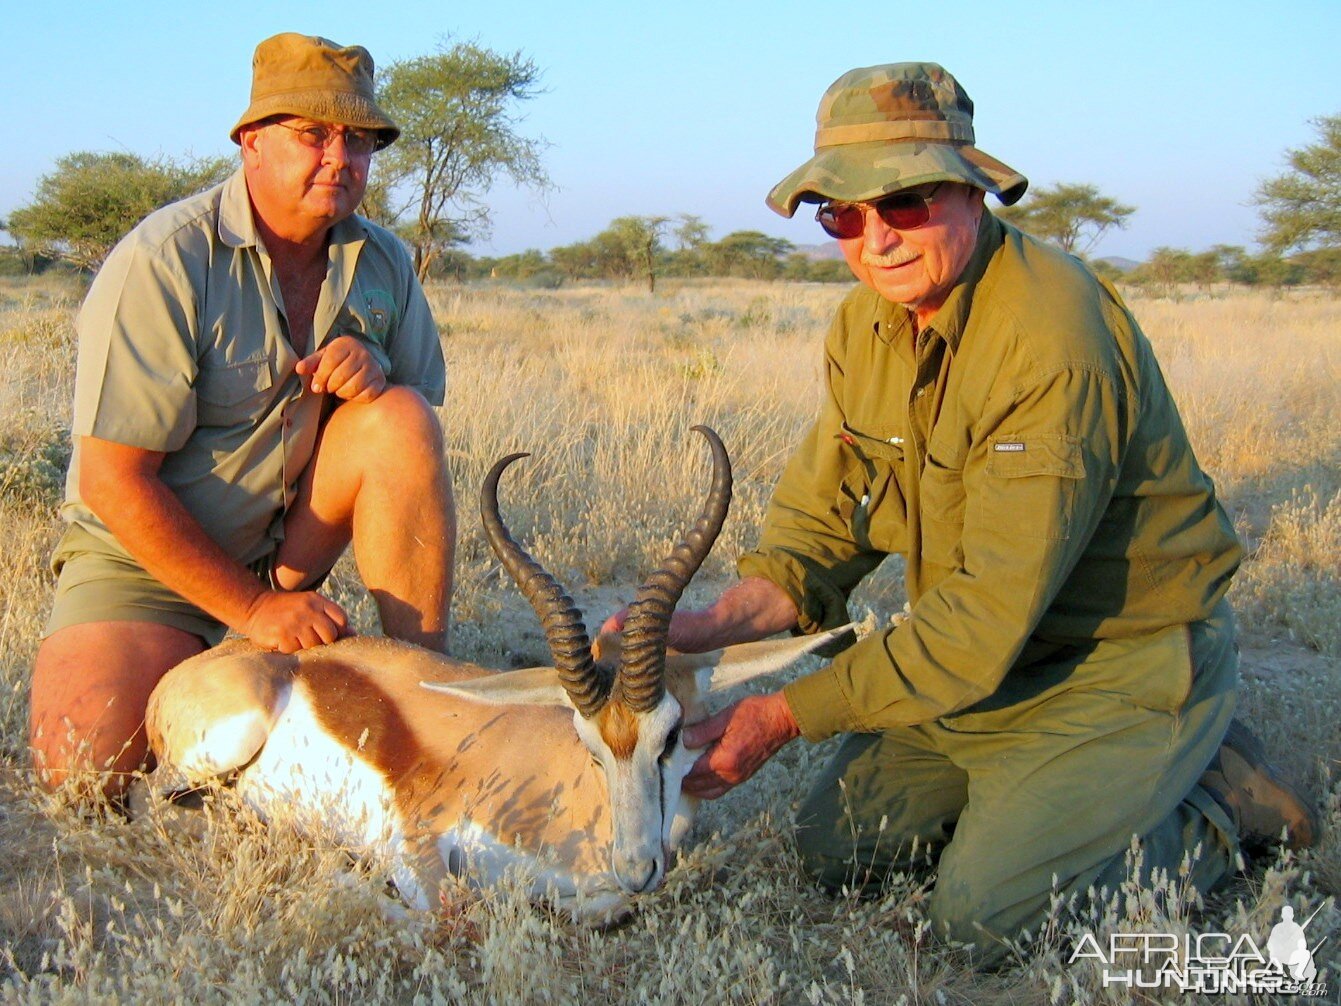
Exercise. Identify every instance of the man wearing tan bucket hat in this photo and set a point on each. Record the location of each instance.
(256, 371)
(1066, 673)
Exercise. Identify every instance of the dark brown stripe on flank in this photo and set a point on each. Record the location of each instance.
(359, 714)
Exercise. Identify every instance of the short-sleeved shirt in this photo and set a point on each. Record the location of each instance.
(1024, 454)
(184, 349)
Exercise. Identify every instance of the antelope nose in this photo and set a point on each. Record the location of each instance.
(638, 876)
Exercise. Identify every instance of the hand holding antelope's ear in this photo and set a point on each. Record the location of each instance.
(739, 740)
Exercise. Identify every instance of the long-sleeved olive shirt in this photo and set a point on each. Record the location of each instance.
(1024, 454)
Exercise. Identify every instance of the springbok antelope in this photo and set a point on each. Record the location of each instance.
(446, 767)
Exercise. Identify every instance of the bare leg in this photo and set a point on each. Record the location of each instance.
(91, 684)
(380, 478)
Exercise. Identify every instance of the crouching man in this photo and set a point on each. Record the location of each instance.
(256, 371)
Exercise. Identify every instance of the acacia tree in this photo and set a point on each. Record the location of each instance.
(458, 114)
(1301, 210)
(84, 207)
(641, 239)
(1067, 214)
(628, 248)
(748, 254)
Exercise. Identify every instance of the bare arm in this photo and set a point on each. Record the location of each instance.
(120, 484)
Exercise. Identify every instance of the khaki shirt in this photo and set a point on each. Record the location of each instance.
(184, 348)
(1024, 454)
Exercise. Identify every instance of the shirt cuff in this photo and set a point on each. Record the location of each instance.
(820, 706)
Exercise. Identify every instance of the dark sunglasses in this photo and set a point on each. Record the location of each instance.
(902, 211)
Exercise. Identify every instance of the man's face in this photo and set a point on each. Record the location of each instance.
(299, 187)
(917, 267)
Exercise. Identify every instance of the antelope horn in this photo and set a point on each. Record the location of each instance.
(564, 630)
(642, 670)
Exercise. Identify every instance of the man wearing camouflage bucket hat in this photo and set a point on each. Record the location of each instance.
(257, 366)
(1066, 672)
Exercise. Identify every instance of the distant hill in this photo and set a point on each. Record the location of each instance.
(1119, 263)
(822, 252)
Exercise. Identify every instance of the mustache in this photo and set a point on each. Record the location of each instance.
(900, 256)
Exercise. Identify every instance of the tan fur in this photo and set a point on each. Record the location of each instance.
(230, 679)
(366, 693)
(496, 771)
(619, 727)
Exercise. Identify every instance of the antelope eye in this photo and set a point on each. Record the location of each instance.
(672, 739)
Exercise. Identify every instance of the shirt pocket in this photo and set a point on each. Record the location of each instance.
(1030, 485)
(942, 513)
(228, 394)
(870, 496)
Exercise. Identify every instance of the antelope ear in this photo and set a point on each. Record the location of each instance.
(744, 662)
(533, 686)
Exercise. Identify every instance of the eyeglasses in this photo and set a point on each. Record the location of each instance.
(902, 211)
(358, 142)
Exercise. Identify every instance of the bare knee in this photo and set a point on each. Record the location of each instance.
(398, 426)
(91, 684)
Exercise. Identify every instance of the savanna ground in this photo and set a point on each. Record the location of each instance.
(603, 385)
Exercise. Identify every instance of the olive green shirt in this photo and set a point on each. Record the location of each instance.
(1026, 457)
(184, 349)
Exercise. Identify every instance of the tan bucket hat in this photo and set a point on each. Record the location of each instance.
(293, 74)
(885, 128)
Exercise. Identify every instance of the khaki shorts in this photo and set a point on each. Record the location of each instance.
(94, 586)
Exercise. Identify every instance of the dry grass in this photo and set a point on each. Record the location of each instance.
(602, 386)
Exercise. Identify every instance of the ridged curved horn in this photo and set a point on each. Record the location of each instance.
(564, 629)
(643, 665)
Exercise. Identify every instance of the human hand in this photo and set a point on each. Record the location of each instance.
(739, 739)
(289, 621)
(685, 634)
(344, 367)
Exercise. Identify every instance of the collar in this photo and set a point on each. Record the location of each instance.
(237, 224)
(949, 322)
(892, 321)
(237, 228)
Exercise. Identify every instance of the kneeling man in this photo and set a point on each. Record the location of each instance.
(993, 413)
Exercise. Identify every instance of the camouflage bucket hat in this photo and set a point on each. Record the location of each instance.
(307, 75)
(885, 128)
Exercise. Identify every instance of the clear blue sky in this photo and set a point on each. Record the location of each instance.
(1178, 107)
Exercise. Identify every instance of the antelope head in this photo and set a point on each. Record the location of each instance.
(623, 711)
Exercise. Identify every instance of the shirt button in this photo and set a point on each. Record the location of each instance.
(921, 392)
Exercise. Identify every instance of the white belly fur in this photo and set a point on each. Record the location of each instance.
(306, 776)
